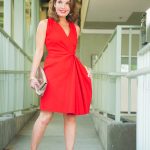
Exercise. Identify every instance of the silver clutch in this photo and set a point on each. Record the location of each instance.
(41, 77)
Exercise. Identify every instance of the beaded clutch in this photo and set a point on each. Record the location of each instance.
(40, 76)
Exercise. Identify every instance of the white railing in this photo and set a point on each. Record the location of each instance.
(15, 64)
(108, 78)
(143, 101)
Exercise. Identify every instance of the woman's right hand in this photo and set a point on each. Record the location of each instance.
(34, 83)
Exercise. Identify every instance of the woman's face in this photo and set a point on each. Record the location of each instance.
(62, 7)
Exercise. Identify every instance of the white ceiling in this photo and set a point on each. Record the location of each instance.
(114, 10)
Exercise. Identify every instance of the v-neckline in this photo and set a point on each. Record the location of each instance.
(64, 30)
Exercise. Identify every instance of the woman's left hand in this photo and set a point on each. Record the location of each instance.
(88, 71)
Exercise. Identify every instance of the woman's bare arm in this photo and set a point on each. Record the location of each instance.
(40, 38)
(77, 29)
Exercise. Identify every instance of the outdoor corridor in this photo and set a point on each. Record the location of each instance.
(113, 43)
(86, 138)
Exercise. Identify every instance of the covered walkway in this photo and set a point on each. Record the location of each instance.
(115, 45)
(86, 139)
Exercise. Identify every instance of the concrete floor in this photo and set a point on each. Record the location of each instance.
(86, 138)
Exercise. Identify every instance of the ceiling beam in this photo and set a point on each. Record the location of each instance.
(84, 8)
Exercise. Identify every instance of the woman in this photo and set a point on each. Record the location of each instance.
(69, 85)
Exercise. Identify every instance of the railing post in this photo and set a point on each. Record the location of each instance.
(118, 69)
(129, 64)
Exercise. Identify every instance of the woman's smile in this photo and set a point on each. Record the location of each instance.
(62, 7)
(62, 11)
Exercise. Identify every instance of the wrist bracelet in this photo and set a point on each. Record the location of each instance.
(32, 78)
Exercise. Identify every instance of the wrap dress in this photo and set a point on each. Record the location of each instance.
(69, 89)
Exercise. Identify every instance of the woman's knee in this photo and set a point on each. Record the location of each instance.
(45, 117)
(70, 117)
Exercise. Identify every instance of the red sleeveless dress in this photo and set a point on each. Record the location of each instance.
(69, 88)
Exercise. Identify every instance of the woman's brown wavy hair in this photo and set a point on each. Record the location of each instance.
(72, 16)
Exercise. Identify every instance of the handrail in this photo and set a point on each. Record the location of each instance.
(115, 74)
(13, 71)
(104, 48)
(111, 37)
(144, 50)
(11, 112)
(131, 74)
(139, 72)
(14, 43)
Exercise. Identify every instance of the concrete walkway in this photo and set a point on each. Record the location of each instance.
(86, 138)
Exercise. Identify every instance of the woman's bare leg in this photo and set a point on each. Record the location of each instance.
(69, 130)
(39, 128)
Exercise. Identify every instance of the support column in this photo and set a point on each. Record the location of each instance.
(31, 33)
(19, 22)
(8, 16)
